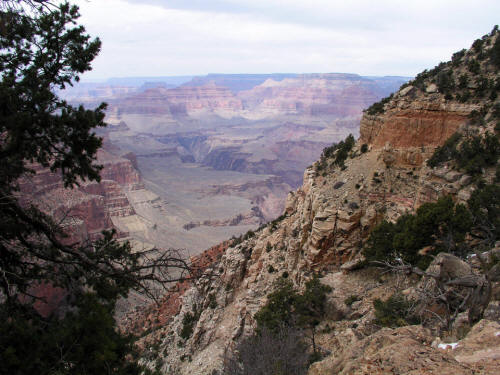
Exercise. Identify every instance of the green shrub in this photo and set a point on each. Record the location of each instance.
(442, 225)
(477, 45)
(286, 307)
(473, 66)
(351, 299)
(463, 81)
(394, 312)
(188, 322)
(496, 111)
(445, 81)
(445, 152)
(268, 247)
(343, 149)
(478, 152)
(212, 301)
(378, 107)
(339, 150)
(483, 84)
(279, 309)
(379, 246)
(457, 57)
(484, 205)
(495, 53)
(364, 148)
(311, 305)
(464, 97)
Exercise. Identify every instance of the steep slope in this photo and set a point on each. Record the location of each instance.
(325, 225)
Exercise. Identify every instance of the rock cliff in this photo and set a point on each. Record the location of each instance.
(87, 209)
(323, 229)
(313, 94)
(182, 100)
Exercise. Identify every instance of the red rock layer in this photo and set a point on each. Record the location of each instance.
(410, 128)
(413, 118)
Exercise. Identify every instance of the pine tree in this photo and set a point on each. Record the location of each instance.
(42, 48)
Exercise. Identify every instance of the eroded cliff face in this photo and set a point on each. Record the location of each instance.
(313, 94)
(413, 124)
(411, 121)
(182, 100)
(86, 210)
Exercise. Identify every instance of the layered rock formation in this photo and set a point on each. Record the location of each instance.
(181, 100)
(313, 94)
(332, 94)
(411, 122)
(323, 229)
(86, 210)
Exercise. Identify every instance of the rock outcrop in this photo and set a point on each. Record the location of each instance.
(419, 121)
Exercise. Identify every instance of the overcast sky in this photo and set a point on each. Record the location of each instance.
(194, 37)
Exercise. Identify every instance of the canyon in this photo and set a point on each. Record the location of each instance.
(215, 156)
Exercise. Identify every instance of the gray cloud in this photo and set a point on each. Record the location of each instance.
(154, 37)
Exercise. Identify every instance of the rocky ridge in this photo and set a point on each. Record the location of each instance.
(323, 229)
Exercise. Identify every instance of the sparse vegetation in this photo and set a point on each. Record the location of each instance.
(273, 225)
(212, 301)
(445, 152)
(287, 308)
(270, 352)
(471, 155)
(439, 226)
(396, 311)
(188, 322)
(378, 107)
(339, 152)
(351, 299)
(495, 50)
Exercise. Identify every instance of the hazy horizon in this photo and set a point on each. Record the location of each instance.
(191, 76)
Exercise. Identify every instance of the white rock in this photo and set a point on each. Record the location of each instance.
(432, 88)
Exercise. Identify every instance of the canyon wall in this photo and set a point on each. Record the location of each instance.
(87, 209)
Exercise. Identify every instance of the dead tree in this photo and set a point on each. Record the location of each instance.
(453, 284)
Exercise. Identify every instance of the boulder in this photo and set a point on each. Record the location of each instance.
(432, 88)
